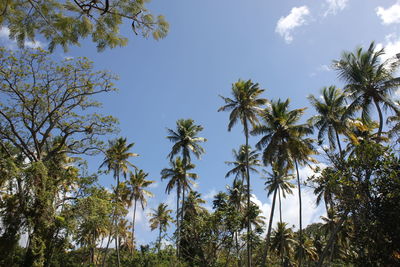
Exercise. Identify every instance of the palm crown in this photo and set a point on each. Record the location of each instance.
(369, 81)
(331, 116)
(185, 139)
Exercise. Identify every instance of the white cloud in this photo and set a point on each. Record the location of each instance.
(295, 19)
(389, 15)
(12, 44)
(290, 205)
(334, 6)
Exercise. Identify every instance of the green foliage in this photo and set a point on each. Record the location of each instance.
(65, 23)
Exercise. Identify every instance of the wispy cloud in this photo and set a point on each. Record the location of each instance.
(334, 6)
(389, 15)
(295, 19)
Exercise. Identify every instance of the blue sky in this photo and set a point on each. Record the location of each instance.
(285, 46)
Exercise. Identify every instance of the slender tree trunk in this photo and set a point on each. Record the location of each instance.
(338, 141)
(280, 204)
(238, 250)
(133, 226)
(380, 119)
(280, 218)
(331, 240)
(106, 250)
(300, 216)
(159, 240)
(178, 191)
(271, 217)
(249, 253)
(116, 224)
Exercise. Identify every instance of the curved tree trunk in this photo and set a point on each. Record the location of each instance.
(249, 254)
(264, 262)
(133, 226)
(300, 216)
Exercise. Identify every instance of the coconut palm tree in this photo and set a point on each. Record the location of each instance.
(137, 183)
(276, 181)
(245, 106)
(370, 81)
(395, 121)
(180, 178)
(331, 115)
(282, 241)
(186, 142)
(285, 142)
(117, 160)
(160, 219)
(239, 163)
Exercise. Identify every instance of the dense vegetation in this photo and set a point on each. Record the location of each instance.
(50, 122)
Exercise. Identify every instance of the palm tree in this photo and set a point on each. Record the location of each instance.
(245, 106)
(179, 177)
(137, 182)
(395, 120)
(186, 141)
(116, 160)
(369, 81)
(239, 163)
(276, 181)
(160, 219)
(331, 115)
(285, 142)
(282, 242)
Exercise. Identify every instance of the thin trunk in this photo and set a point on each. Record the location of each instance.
(116, 223)
(331, 240)
(106, 250)
(133, 226)
(178, 191)
(271, 217)
(280, 218)
(159, 240)
(228, 255)
(300, 219)
(338, 141)
(93, 249)
(380, 119)
(280, 204)
(246, 132)
(238, 250)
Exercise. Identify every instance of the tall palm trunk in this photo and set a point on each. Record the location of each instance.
(246, 132)
(116, 222)
(159, 239)
(380, 118)
(280, 204)
(178, 192)
(338, 141)
(133, 226)
(300, 216)
(280, 219)
(271, 217)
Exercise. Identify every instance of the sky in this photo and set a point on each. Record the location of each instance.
(285, 46)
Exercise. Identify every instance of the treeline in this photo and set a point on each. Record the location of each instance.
(49, 123)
